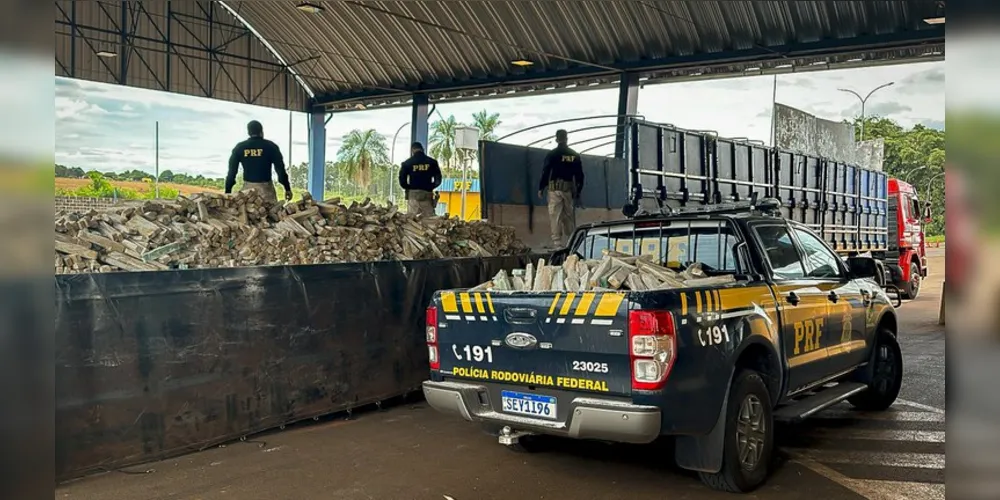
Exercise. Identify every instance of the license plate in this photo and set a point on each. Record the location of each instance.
(528, 404)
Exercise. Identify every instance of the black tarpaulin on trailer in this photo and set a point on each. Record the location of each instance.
(155, 364)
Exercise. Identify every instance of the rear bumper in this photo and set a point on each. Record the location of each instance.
(589, 418)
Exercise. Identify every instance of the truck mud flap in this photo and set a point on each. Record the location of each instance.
(704, 453)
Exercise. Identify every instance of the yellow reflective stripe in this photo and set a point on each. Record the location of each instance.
(709, 301)
(585, 301)
(807, 358)
(489, 302)
(466, 303)
(846, 347)
(697, 302)
(718, 300)
(448, 302)
(608, 306)
(567, 303)
(826, 352)
(552, 308)
(684, 304)
(479, 304)
(738, 298)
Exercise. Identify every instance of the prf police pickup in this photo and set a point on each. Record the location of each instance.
(713, 367)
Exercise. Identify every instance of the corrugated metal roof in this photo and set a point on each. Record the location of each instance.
(380, 52)
(193, 48)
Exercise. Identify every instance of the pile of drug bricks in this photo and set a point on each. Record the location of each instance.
(615, 271)
(210, 230)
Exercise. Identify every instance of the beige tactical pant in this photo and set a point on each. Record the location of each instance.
(266, 190)
(420, 203)
(562, 216)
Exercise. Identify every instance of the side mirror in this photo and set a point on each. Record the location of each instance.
(927, 213)
(863, 267)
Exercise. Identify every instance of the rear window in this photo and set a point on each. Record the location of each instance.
(676, 244)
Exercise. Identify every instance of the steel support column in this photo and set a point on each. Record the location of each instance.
(628, 104)
(418, 121)
(317, 152)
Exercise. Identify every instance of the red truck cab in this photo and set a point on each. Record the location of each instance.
(906, 258)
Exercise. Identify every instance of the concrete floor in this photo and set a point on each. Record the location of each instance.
(409, 452)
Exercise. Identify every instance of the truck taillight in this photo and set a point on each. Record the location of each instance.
(432, 338)
(432, 319)
(652, 348)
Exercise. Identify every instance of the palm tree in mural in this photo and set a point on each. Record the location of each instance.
(361, 152)
(487, 124)
(442, 141)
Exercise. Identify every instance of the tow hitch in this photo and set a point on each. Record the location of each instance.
(510, 437)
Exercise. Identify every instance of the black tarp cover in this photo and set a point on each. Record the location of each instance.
(155, 364)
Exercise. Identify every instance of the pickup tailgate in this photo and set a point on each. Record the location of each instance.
(559, 341)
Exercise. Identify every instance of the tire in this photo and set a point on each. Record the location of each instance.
(749, 402)
(912, 287)
(887, 376)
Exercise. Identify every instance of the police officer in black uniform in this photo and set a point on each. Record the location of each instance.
(419, 176)
(258, 155)
(562, 175)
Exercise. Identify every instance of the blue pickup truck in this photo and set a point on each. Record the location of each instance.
(715, 367)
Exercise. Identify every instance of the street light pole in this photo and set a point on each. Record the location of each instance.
(906, 178)
(929, 182)
(864, 100)
(156, 182)
(392, 156)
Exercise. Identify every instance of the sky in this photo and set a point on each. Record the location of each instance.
(113, 128)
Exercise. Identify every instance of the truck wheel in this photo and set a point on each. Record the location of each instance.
(887, 377)
(912, 287)
(749, 437)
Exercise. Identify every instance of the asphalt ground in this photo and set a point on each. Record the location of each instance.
(411, 452)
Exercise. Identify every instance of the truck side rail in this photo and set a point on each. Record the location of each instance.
(673, 167)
